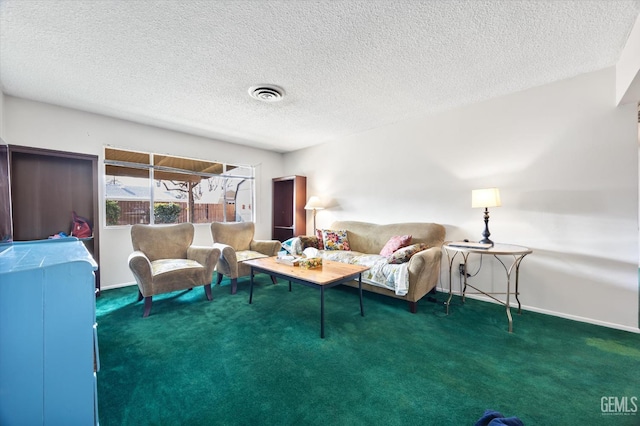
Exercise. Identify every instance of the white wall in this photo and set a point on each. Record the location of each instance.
(566, 162)
(1, 114)
(42, 125)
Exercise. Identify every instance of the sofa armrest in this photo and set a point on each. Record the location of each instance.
(268, 247)
(424, 270)
(206, 256)
(140, 266)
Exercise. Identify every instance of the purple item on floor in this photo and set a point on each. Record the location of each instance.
(495, 418)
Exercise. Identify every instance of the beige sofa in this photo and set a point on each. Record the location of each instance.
(366, 240)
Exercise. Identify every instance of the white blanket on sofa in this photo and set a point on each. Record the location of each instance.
(380, 273)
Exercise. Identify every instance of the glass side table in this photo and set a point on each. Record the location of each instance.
(499, 251)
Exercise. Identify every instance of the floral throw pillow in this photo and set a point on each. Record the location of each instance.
(404, 254)
(335, 240)
(394, 244)
(319, 237)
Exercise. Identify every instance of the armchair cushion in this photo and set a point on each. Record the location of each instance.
(248, 255)
(169, 265)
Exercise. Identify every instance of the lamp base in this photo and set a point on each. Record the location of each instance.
(486, 233)
(486, 241)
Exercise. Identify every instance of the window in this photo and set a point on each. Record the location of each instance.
(179, 189)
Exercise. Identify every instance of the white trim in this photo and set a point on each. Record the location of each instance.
(553, 313)
(114, 286)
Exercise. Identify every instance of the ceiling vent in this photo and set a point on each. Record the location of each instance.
(267, 93)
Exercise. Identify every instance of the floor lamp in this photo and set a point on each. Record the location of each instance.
(314, 204)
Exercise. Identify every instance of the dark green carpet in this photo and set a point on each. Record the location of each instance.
(225, 362)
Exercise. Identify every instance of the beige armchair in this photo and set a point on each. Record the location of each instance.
(164, 260)
(236, 244)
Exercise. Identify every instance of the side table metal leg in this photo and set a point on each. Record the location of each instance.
(465, 257)
(517, 280)
(464, 280)
(507, 304)
(448, 302)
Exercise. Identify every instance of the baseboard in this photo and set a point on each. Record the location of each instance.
(555, 313)
(112, 286)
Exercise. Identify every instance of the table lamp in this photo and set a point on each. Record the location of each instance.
(488, 197)
(314, 204)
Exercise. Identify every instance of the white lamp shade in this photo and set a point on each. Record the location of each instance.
(314, 204)
(488, 197)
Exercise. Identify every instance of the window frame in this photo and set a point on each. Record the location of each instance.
(215, 174)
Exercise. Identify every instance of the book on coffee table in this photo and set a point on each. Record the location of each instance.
(470, 244)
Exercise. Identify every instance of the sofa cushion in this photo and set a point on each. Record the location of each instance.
(395, 243)
(404, 254)
(370, 237)
(335, 239)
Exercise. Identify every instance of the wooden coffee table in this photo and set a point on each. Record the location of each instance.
(330, 274)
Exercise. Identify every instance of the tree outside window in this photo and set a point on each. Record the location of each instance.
(179, 189)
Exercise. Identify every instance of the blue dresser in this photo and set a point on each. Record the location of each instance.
(48, 340)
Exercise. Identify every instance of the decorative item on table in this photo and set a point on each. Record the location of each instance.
(310, 262)
(287, 259)
(489, 197)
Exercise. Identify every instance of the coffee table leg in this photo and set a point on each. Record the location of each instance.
(360, 289)
(322, 312)
(251, 286)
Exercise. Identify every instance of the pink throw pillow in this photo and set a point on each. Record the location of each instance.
(394, 244)
(319, 237)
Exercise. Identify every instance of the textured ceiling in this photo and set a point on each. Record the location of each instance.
(346, 66)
